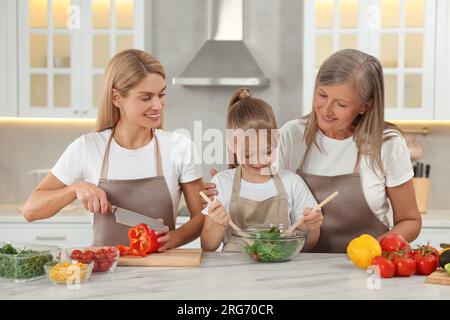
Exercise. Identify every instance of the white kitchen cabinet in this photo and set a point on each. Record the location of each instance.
(193, 244)
(63, 49)
(401, 33)
(8, 58)
(442, 87)
(64, 235)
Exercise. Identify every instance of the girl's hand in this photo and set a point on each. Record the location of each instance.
(164, 238)
(210, 189)
(218, 214)
(92, 197)
(312, 219)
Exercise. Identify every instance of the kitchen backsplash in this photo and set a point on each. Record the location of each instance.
(24, 147)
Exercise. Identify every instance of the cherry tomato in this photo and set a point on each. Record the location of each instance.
(112, 252)
(426, 258)
(404, 267)
(394, 242)
(104, 266)
(387, 267)
(76, 254)
(88, 256)
(99, 256)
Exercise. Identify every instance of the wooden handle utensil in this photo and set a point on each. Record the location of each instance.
(318, 207)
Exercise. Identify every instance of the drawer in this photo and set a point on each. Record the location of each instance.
(63, 235)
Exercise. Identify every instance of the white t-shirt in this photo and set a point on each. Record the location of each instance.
(83, 158)
(339, 157)
(298, 195)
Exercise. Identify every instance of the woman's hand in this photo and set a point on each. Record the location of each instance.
(92, 197)
(210, 189)
(164, 238)
(218, 214)
(312, 219)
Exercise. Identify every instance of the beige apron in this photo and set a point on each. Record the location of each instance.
(245, 212)
(147, 196)
(348, 215)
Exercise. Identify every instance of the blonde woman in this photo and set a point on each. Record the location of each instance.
(128, 162)
(344, 144)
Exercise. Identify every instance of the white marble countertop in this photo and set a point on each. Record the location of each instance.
(235, 276)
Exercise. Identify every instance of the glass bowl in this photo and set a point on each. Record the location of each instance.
(269, 242)
(69, 272)
(23, 262)
(104, 258)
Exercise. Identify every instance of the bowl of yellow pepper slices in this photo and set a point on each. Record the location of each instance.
(68, 271)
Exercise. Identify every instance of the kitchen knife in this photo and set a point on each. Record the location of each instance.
(131, 218)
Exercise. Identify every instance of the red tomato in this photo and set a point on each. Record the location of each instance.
(387, 267)
(88, 256)
(100, 256)
(426, 265)
(76, 254)
(426, 258)
(112, 252)
(394, 242)
(404, 267)
(104, 266)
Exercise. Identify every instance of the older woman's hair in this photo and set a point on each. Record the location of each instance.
(364, 73)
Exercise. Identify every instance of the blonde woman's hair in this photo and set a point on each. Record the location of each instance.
(364, 73)
(124, 71)
(246, 112)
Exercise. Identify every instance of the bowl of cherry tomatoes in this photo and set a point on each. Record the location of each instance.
(104, 258)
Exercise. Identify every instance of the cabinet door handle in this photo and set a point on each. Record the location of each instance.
(85, 111)
(76, 111)
(60, 238)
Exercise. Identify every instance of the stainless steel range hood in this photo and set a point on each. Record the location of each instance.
(224, 60)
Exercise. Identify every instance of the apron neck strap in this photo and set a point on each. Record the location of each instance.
(105, 162)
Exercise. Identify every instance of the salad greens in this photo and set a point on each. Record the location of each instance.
(269, 247)
(22, 264)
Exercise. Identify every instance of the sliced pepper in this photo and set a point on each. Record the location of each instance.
(139, 236)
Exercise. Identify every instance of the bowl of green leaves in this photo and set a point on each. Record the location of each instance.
(24, 261)
(270, 242)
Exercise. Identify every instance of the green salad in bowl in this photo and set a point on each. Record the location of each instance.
(270, 243)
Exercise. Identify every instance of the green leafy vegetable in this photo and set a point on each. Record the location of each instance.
(22, 264)
(269, 246)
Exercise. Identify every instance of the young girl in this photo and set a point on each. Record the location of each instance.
(128, 162)
(251, 192)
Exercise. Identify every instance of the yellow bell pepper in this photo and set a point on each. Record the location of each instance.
(363, 249)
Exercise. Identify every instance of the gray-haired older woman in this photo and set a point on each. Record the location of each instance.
(344, 144)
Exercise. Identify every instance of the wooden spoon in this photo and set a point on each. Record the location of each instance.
(230, 222)
(318, 207)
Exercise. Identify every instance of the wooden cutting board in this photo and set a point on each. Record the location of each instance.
(439, 277)
(169, 258)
